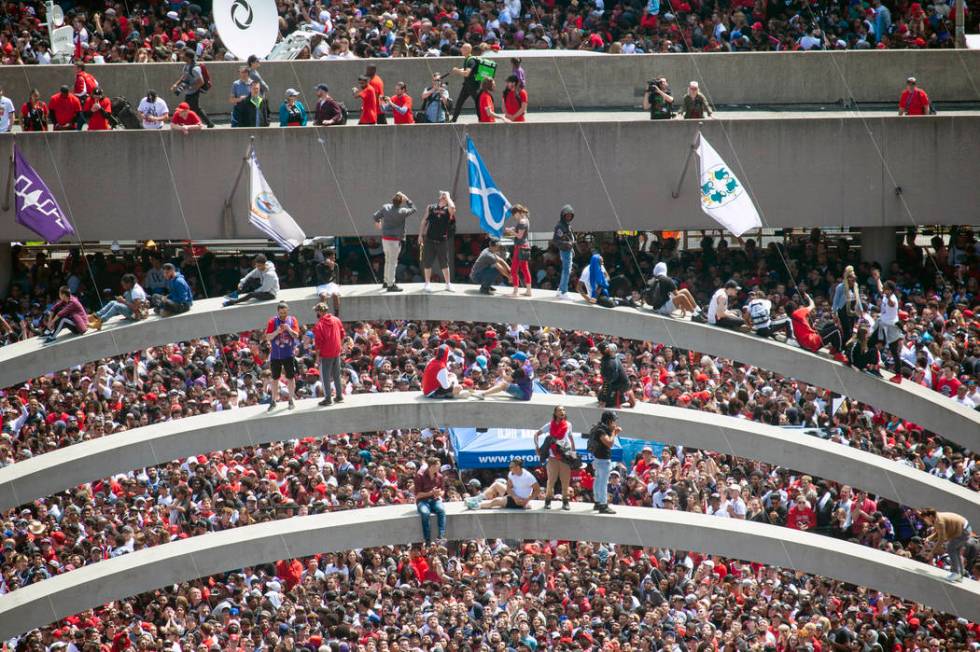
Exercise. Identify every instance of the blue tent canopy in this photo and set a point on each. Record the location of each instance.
(496, 447)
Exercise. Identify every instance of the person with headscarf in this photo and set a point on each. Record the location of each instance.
(593, 282)
(437, 381)
(663, 296)
(556, 449)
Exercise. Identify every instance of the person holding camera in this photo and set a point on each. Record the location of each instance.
(435, 102)
(658, 100)
(556, 452)
(602, 438)
(192, 84)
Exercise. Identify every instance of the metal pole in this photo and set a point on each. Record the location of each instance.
(227, 212)
(10, 184)
(960, 24)
(676, 192)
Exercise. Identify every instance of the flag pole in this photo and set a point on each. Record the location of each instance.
(227, 212)
(676, 192)
(459, 167)
(10, 184)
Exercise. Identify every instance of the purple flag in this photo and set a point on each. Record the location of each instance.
(37, 209)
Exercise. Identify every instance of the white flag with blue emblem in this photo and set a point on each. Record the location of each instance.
(486, 202)
(723, 197)
(266, 213)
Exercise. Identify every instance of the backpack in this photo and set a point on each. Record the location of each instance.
(123, 114)
(592, 445)
(343, 113)
(653, 295)
(206, 76)
(485, 69)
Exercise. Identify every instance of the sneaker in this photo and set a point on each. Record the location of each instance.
(228, 302)
(272, 406)
(325, 402)
(449, 287)
(292, 404)
(839, 357)
(472, 502)
(427, 288)
(563, 296)
(479, 396)
(48, 339)
(565, 507)
(464, 394)
(487, 291)
(384, 285)
(339, 399)
(897, 379)
(604, 509)
(395, 288)
(954, 577)
(547, 504)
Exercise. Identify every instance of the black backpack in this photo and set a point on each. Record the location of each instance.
(592, 445)
(343, 113)
(123, 114)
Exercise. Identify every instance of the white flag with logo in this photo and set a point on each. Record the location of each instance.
(265, 212)
(723, 197)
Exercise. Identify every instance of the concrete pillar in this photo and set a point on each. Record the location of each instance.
(6, 267)
(878, 244)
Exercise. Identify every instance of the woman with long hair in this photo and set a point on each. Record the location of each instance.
(520, 259)
(558, 443)
(847, 306)
(861, 353)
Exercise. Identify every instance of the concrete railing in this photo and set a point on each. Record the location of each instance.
(90, 586)
(618, 175)
(929, 409)
(582, 82)
(62, 469)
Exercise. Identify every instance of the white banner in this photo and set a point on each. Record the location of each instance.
(267, 214)
(247, 27)
(723, 198)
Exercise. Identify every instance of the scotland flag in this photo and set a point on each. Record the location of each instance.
(486, 202)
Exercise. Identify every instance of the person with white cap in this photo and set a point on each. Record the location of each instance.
(914, 100)
(292, 113)
(663, 295)
(696, 105)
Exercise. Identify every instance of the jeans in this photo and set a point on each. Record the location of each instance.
(955, 546)
(330, 371)
(566, 269)
(248, 296)
(487, 277)
(601, 487)
(114, 309)
(391, 250)
(426, 507)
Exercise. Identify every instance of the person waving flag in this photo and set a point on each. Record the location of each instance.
(486, 201)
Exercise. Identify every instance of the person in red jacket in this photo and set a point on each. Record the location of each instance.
(437, 382)
(328, 335)
(85, 83)
(801, 516)
(67, 313)
(65, 108)
(99, 109)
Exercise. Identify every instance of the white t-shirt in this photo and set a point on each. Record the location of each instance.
(7, 111)
(713, 306)
(889, 310)
(523, 484)
(156, 109)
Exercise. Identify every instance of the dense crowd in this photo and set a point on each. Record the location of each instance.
(158, 31)
(494, 594)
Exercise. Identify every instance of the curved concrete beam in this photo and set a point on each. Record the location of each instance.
(929, 409)
(59, 470)
(91, 586)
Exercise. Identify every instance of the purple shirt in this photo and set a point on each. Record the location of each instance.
(284, 343)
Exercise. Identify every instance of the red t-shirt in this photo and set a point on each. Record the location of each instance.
(405, 102)
(379, 88)
(513, 103)
(914, 101)
(64, 108)
(369, 106)
(808, 338)
(185, 120)
(485, 107)
(948, 386)
(98, 121)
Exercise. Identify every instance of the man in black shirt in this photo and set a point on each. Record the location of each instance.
(434, 233)
(601, 441)
(615, 382)
(471, 86)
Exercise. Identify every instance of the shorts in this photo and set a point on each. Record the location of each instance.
(328, 288)
(433, 251)
(515, 390)
(277, 366)
(511, 504)
(667, 308)
(440, 393)
(889, 333)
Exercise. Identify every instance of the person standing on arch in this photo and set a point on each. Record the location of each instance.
(520, 270)
(434, 233)
(390, 220)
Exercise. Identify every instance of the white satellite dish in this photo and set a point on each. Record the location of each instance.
(57, 15)
(62, 40)
(247, 27)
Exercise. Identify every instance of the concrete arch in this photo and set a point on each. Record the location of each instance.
(59, 470)
(90, 586)
(931, 410)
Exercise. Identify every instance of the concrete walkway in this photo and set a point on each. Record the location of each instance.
(62, 469)
(91, 586)
(931, 410)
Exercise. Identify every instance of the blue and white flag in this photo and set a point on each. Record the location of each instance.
(723, 198)
(486, 202)
(266, 213)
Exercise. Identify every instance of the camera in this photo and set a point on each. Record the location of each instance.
(652, 85)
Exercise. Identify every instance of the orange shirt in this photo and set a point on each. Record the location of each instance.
(369, 106)
(485, 107)
(405, 102)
